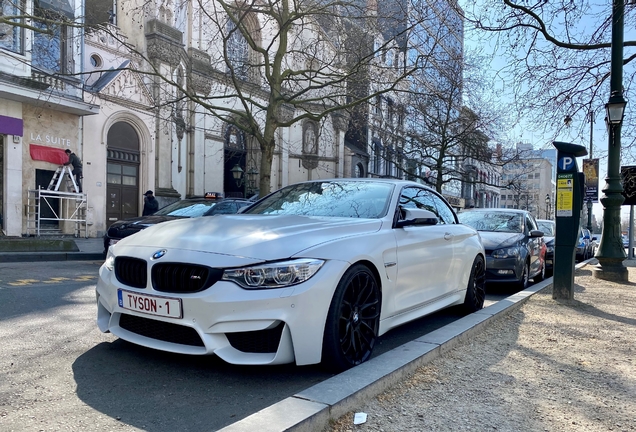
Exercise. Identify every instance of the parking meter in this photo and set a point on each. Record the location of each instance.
(570, 193)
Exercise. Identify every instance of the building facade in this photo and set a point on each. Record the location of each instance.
(153, 95)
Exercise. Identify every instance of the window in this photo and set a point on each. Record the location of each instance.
(377, 109)
(377, 156)
(237, 51)
(96, 61)
(391, 111)
(121, 174)
(52, 48)
(414, 197)
(11, 36)
(388, 160)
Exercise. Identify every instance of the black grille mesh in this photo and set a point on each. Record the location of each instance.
(262, 341)
(160, 330)
(183, 278)
(131, 271)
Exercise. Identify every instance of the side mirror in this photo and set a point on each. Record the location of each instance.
(414, 217)
(536, 233)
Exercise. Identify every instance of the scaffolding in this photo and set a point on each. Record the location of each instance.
(71, 209)
(59, 206)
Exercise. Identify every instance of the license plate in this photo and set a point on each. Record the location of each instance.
(154, 305)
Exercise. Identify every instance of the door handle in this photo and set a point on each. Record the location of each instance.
(448, 236)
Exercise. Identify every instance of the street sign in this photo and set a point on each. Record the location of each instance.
(590, 169)
(566, 163)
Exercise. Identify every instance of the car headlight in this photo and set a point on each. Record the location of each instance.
(506, 252)
(274, 275)
(109, 263)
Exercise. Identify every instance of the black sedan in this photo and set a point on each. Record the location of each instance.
(515, 249)
(209, 205)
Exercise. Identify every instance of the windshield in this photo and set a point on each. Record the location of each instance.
(186, 208)
(493, 221)
(352, 199)
(547, 227)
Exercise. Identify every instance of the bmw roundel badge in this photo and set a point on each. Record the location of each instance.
(159, 254)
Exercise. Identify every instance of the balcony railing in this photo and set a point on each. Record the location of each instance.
(68, 86)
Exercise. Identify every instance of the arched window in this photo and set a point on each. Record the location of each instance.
(237, 51)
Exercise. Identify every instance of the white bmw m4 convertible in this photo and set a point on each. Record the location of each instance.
(312, 273)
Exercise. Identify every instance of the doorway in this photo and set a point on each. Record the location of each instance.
(122, 173)
(49, 207)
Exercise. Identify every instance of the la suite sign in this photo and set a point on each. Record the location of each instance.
(50, 139)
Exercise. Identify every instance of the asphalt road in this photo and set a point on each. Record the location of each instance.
(60, 373)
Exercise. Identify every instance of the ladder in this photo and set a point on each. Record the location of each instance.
(56, 180)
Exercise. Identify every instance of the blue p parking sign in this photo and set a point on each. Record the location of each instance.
(566, 163)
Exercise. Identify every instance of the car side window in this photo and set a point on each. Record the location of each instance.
(531, 224)
(224, 208)
(414, 197)
(445, 213)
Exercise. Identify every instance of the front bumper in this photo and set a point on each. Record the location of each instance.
(502, 269)
(227, 320)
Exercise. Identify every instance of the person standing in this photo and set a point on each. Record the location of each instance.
(76, 163)
(151, 205)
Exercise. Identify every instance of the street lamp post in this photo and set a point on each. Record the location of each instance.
(611, 253)
(589, 214)
(547, 206)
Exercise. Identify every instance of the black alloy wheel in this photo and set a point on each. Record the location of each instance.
(476, 290)
(353, 320)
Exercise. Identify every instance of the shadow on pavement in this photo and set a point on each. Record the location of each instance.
(157, 391)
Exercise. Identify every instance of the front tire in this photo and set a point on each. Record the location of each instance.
(476, 290)
(523, 283)
(353, 320)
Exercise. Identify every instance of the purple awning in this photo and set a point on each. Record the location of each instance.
(11, 126)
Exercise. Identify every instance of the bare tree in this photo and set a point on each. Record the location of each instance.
(258, 66)
(452, 126)
(557, 59)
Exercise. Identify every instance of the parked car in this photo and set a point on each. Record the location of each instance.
(314, 272)
(594, 244)
(584, 245)
(548, 227)
(210, 204)
(515, 250)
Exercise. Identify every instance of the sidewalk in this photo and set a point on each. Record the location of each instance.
(525, 363)
(551, 365)
(33, 249)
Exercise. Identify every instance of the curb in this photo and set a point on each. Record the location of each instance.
(50, 256)
(312, 409)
